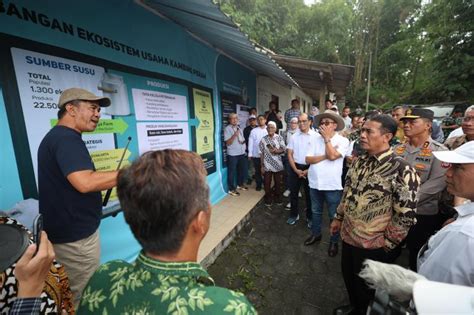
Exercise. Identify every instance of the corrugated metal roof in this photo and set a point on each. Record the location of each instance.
(313, 76)
(205, 20)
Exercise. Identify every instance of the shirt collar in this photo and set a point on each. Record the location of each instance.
(381, 156)
(465, 209)
(189, 269)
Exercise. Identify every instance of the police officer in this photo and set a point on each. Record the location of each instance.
(418, 152)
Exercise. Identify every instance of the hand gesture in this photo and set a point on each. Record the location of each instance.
(31, 270)
(325, 132)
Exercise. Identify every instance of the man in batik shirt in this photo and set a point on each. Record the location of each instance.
(165, 278)
(377, 208)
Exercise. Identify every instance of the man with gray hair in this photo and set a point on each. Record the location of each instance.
(69, 186)
(236, 163)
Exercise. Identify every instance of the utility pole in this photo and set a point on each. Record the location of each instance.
(368, 83)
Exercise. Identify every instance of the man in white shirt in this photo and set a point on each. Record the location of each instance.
(255, 137)
(326, 158)
(346, 111)
(449, 255)
(297, 148)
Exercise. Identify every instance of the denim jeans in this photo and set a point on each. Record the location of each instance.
(332, 198)
(236, 170)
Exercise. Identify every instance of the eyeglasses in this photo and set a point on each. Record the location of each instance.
(302, 121)
(468, 119)
(326, 123)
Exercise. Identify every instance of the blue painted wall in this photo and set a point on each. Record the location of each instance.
(129, 25)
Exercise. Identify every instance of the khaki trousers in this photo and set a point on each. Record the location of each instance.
(80, 260)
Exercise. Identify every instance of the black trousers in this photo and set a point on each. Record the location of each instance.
(426, 225)
(295, 184)
(351, 264)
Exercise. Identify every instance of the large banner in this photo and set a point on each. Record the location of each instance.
(41, 79)
(155, 114)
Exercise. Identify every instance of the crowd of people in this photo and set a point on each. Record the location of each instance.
(384, 180)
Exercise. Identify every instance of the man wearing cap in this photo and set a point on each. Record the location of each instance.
(256, 136)
(69, 186)
(326, 157)
(251, 124)
(292, 112)
(449, 254)
(418, 152)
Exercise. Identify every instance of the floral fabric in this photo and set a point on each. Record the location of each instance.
(149, 286)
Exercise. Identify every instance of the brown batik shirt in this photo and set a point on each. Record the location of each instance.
(379, 201)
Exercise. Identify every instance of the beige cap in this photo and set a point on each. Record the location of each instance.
(73, 94)
(331, 115)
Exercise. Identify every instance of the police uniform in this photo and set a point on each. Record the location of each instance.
(431, 173)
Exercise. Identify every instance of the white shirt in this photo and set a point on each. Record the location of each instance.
(456, 132)
(450, 254)
(347, 122)
(326, 175)
(300, 143)
(255, 137)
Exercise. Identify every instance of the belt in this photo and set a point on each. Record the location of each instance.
(302, 167)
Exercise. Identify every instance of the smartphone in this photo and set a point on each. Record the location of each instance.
(37, 229)
(269, 146)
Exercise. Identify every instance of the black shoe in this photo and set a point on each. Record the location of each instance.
(344, 310)
(312, 239)
(332, 250)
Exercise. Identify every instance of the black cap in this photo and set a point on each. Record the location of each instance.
(414, 113)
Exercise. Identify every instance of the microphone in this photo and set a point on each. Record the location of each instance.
(109, 191)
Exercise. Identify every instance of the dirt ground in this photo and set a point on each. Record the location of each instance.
(269, 263)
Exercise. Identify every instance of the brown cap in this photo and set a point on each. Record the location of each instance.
(74, 94)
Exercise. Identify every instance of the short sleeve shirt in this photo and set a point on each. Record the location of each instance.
(237, 147)
(300, 143)
(68, 215)
(326, 175)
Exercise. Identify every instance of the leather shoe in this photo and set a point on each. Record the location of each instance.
(312, 239)
(332, 250)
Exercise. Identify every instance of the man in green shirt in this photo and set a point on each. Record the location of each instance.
(169, 225)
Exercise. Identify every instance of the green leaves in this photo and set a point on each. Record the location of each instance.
(422, 51)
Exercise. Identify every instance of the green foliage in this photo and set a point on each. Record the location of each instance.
(422, 52)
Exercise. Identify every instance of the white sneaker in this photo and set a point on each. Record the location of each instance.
(288, 206)
(299, 194)
(286, 193)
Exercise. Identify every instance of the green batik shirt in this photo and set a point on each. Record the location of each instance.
(149, 286)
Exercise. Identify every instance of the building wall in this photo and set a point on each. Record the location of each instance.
(267, 87)
(118, 38)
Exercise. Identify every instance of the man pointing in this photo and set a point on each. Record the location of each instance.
(69, 186)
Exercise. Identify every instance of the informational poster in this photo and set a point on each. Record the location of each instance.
(229, 105)
(204, 113)
(160, 136)
(41, 79)
(243, 114)
(204, 132)
(154, 105)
